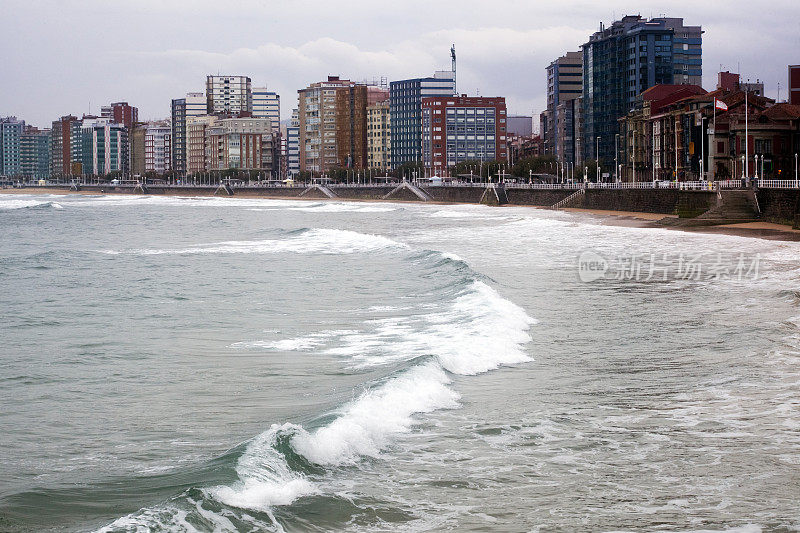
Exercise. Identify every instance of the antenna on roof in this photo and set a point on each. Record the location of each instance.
(453, 57)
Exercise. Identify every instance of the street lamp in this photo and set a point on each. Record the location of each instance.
(795, 169)
(743, 167)
(597, 157)
(616, 157)
(756, 168)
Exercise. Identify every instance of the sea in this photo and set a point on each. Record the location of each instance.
(244, 365)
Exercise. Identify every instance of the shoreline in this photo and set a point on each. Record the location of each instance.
(631, 219)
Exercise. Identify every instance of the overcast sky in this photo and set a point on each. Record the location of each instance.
(65, 56)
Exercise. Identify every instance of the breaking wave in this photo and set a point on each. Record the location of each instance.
(15, 203)
(310, 241)
(476, 331)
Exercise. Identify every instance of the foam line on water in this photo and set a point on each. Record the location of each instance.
(314, 241)
(16, 203)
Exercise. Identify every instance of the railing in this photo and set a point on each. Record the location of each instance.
(778, 184)
(680, 185)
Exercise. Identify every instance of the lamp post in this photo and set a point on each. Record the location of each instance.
(616, 157)
(702, 148)
(530, 176)
(597, 157)
(633, 156)
(743, 167)
(795, 170)
(756, 168)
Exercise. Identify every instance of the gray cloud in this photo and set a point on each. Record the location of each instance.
(68, 55)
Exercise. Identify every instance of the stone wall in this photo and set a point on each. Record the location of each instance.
(781, 206)
(537, 197)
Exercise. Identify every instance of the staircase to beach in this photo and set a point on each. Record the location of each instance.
(416, 191)
(733, 207)
(570, 200)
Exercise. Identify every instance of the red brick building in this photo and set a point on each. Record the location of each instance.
(121, 113)
(794, 84)
(462, 128)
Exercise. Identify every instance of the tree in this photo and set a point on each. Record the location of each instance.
(474, 167)
(408, 170)
(545, 164)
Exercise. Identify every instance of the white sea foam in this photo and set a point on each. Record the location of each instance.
(367, 425)
(17, 203)
(265, 479)
(297, 344)
(334, 207)
(315, 241)
(480, 331)
(177, 201)
(472, 214)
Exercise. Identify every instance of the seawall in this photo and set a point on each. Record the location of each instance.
(780, 206)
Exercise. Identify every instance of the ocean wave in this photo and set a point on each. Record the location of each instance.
(16, 203)
(367, 425)
(476, 332)
(313, 241)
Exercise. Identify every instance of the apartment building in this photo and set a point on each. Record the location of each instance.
(317, 124)
(379, 136)
(405, 109)
(462, 128)
(229, 95)
(192, 105)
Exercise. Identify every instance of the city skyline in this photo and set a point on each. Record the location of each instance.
(503, 49)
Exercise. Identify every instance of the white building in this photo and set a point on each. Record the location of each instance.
(157, 143)
(228, 95)
(293, 144)
(240, 143)
(267, 104)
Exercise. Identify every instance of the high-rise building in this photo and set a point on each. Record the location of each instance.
(317, 123)
(121, 113)
(625, 59)
(104, 146)
(157, 139)
(293, 144)
(794, 84)
(267, 104)
(351, 126)
(66, 147)
(564, 88)
(10, 143)
(192, 105)
(136, 137)
(243, 143)
(379, 136)
(405, 110)
(228, 95)
(462, 128)
(196, 142)
(35, 153)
